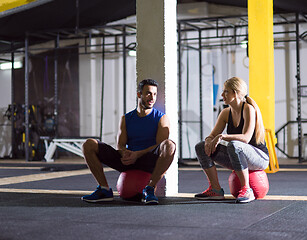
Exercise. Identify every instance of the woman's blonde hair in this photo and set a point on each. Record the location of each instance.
(239, 86)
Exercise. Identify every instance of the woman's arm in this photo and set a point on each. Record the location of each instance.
(249, 116)
(211, 141)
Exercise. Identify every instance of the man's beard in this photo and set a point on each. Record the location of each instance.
(143, 103)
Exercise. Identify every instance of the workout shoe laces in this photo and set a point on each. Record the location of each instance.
(246, 195)
(99, 195)
(149, 196)
(211, 194)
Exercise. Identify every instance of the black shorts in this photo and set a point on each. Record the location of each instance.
(111, 157)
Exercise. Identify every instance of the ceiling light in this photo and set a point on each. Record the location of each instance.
(8, 65)
(244, 43)
(132, 53)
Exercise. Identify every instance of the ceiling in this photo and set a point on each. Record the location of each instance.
(47, 15)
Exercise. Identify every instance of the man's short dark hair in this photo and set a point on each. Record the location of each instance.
(147, 82)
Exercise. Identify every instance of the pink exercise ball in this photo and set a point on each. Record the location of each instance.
(131, 183)
(258, 181)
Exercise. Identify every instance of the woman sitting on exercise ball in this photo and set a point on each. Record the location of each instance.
(246, 147)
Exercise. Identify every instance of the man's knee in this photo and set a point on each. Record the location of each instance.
(168, 146)
(90, 145)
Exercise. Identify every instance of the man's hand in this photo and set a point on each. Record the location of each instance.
(128, 157)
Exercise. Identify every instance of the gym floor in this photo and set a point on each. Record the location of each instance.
(41, 200)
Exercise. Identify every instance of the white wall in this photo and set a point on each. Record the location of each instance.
(5, 124)
(226, 61)
(233, 61)
(91, 67)
(286, 90)
(5, 88)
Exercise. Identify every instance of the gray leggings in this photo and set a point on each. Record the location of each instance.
(235, 156)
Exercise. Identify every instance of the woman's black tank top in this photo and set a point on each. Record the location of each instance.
(231, 129)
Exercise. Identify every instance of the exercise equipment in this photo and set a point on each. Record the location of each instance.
(131, 183)
(73, 145)
(273, 161)
(258, 181)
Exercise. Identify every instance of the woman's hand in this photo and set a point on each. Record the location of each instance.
(208, 146)
(211, 144)
(216, 142)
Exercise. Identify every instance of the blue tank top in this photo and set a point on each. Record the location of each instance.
(142, 131)
(231, 129)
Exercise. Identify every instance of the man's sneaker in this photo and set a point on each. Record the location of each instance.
(100, 195)
(149, 196)
(246, 195)
(211, 194)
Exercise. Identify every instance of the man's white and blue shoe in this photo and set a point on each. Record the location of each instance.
(149, 196)
(99, 195)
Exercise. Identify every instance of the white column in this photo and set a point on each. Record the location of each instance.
(93, 90)
(157, 59)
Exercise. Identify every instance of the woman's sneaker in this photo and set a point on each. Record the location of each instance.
(246, 195)
(211, 194)
(99, 195)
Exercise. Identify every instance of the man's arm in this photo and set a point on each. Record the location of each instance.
(128, 157)
(163, 129)
(122, 136)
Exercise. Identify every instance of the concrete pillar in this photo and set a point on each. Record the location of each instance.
(157, 59)
(261, 59)
(93, 90)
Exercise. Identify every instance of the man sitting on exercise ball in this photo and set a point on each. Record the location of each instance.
(142, 144)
